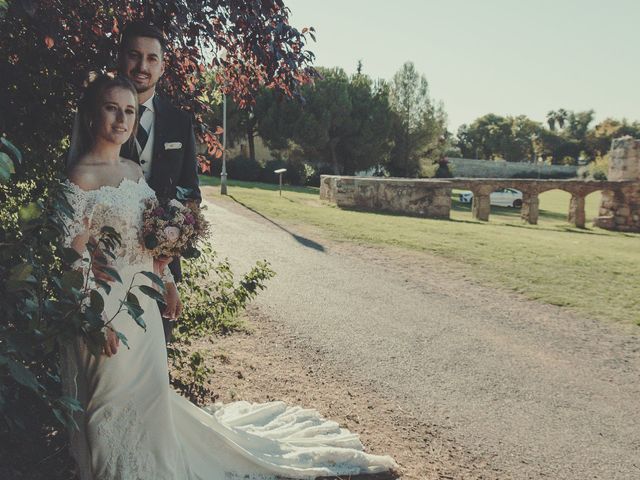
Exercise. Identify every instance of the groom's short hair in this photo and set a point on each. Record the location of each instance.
(140, 28)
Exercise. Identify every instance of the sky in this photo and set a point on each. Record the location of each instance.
(508, 57)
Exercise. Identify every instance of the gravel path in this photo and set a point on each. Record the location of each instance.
(537, 391)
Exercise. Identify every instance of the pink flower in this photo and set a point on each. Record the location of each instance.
(172, 233)
(188, 219)
(158, 211)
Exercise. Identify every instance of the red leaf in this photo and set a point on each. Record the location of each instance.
(205, 165)
(48, 41)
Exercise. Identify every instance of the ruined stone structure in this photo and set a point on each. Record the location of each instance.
(431, 198)
(421, 197)
(620, 208)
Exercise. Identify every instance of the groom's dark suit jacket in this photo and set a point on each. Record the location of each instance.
(174, 171)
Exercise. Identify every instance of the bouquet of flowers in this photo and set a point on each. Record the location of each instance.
(172, 229)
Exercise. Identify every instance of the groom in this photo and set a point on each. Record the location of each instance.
(165, 143)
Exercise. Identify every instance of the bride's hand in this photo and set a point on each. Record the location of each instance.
(160, 263)
(112, 342)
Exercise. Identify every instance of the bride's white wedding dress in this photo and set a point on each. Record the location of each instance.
(135, 427)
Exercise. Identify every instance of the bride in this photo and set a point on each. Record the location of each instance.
(134, 426)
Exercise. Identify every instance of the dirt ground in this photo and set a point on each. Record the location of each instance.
(266, 363)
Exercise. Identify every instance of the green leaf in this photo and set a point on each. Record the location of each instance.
(104, 285)
(20, 272)
(94, 319)
(131, 298)
(136, 314)
(135, 310)
(30, 305)
(112, 272)
(70, 255)
(30, 212)
(22, 375)
(70, 403)
(97, 302)
(61, 417)
(12, 149)
(154, 278)
(6, 167)
(123, 339)
(72, 279)
(153, 293)
(150, 241)
(109, 231)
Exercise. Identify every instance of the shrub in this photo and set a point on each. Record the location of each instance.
(45, 303)
(214, 302)
(243, 168)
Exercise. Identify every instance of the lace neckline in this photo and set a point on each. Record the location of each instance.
(105, 187)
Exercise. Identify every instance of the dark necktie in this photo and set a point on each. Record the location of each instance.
(142, 135)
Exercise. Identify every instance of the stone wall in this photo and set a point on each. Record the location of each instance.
(620, 208)
(432, 198)
(424, 198)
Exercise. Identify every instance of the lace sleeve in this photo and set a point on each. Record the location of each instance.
(77, 224)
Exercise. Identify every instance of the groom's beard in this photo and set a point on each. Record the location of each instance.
(145, 89)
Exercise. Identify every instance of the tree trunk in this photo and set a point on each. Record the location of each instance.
(251, 141)
(250, 128)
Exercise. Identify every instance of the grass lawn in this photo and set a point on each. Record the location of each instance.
(590, 270)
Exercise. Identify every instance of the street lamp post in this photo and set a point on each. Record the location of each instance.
(223, 174)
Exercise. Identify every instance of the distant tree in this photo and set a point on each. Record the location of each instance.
(343, 125)
(599, 138)
(520, 138)
(325, 118)
(578, 124)
(487, 137)
(520, 146)
(557, 117)
(368, 143)
(418, 123)
(241, 123)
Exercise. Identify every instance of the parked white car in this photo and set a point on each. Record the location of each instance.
(505, 197)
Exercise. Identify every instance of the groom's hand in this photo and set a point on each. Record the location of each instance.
(173, 307)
